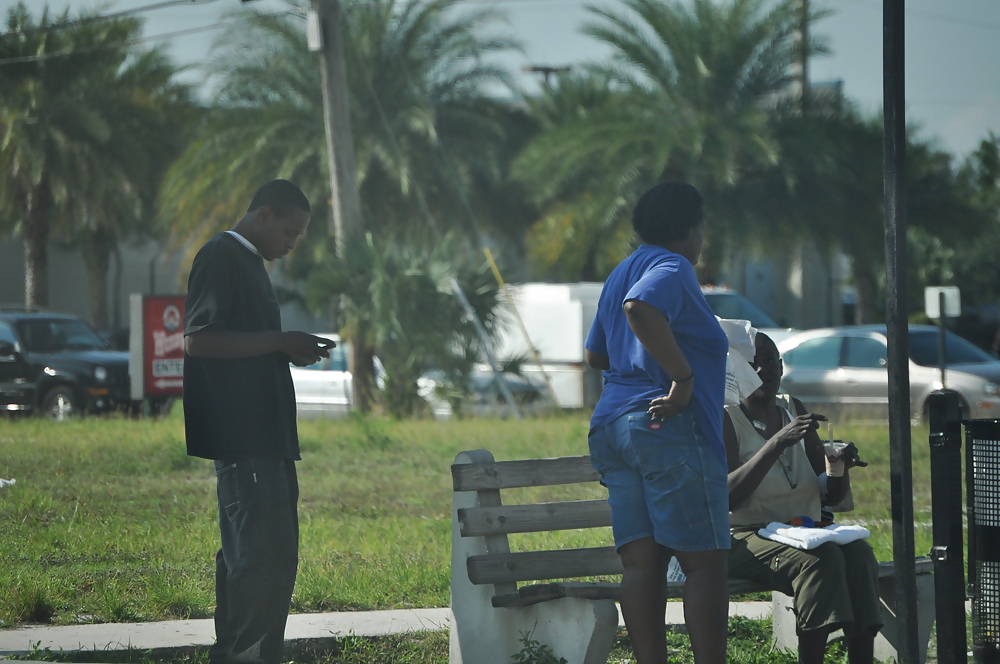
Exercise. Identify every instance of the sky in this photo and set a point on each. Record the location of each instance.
(952, 51)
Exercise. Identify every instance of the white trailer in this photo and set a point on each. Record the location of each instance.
(557, 318)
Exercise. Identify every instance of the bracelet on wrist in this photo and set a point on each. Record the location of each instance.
(684, 380)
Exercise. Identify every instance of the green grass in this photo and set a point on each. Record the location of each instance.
(111, 521)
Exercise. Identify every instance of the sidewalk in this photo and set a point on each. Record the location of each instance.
(312, 628)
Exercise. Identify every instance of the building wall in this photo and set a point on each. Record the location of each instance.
(147, 267)
(803, 289)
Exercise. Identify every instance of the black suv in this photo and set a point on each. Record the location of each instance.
(55, 365)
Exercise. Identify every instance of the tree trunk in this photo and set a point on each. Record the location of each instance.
(362, 372)
(97, 247)
(864, 283)
(35, 230)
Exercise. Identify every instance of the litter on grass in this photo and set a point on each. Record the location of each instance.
(4, 482)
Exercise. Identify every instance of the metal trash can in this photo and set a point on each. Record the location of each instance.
(982, 469)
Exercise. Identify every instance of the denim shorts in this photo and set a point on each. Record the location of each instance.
(663, 480)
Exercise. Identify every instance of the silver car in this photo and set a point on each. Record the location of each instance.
(841, 372)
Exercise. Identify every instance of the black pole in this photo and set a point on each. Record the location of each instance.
(900, 468)
(946, 493)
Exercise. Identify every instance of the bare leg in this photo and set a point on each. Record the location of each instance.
(644, 598)
(812, 646)
(706, 603)
(861, 649)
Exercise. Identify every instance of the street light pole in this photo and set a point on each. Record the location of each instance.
(897, 329)
(345, 202)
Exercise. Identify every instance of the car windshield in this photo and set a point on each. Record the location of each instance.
(56, 335)
(924, 349)
(734, 305)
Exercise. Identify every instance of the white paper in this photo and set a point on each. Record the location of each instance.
(742, 336)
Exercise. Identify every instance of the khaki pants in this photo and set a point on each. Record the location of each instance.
(831, 586)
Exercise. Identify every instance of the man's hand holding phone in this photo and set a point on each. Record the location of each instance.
(304, 349)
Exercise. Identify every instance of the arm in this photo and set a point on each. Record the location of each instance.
(219, 343)
(836, 487)
(814, 446)
(598, 361)
(744, 479)
(652, 329)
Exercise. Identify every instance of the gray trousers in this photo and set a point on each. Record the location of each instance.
(256, 566)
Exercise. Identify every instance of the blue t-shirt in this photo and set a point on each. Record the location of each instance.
(668, 282)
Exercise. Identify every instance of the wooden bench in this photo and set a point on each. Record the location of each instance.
(578, 620)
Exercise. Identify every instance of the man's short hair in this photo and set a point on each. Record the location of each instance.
(667, 213)
(282, 196)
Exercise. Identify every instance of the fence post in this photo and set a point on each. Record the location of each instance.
(944, 410)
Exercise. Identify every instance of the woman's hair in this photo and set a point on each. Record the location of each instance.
(667, 213)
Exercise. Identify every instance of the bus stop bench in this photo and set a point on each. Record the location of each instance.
(578, 620)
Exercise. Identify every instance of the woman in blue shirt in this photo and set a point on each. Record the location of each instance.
(656, 434)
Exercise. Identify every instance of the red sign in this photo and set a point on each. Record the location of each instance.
(163, 344)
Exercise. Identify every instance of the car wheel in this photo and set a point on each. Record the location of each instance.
(60, 404)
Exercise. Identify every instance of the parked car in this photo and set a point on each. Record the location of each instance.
(55, 365)
(324, 389)
(841, 372)
(727, 303)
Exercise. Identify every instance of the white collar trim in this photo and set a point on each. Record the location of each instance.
(245, 242)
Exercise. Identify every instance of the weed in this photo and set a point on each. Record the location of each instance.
(177, 456)
(371, 432)
(29, 601)
(534, 652)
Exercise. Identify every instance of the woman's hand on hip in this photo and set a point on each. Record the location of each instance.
(677, 400)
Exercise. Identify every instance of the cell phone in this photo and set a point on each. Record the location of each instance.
(851, 454)
(326, 343)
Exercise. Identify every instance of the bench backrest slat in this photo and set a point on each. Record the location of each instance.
(543, 565)
(527, 473)
(540, 517)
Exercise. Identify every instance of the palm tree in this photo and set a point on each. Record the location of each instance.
(419, 90)
(149, 112)
(401, 295)
(828, 188)
(53, 127)
(689, 86)
(426, 128)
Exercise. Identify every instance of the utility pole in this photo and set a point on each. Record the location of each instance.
(900, 459)
(325, 36)
(345, 202)
(546, 71)
(800, 65)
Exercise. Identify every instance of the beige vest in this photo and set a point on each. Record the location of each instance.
(775, 499)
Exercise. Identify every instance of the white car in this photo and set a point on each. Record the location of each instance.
(324, 389)
(841, 372)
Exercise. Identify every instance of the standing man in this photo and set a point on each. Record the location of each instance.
(239, 410)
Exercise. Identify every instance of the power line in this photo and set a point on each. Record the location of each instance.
(947, 18)
(100, 17)
(138, 40)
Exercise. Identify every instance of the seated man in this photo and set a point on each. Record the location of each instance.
(775, 463)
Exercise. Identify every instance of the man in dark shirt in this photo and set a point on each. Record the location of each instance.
(239, 410)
